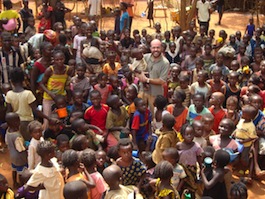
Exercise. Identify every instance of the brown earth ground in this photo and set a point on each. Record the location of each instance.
(232, 21)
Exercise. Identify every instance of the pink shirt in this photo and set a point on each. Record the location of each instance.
(101, 187)
(215, 140)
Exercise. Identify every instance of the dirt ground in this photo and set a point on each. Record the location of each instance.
(232, 21)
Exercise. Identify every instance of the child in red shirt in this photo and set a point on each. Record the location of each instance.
(216, 101)
(104, 88)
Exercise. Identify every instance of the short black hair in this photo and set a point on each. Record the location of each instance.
(94, 92)
(69, 158)
(88, 157)
(45, 147)
(169, 121)
(75, 189)
(160, 102)
(61, 138)
(222, 158)
(184, 127)
(17, 75)
(180, 93)
(101, 75)
(137, 101)
(163, 170)
(77, 143)
(124, 142)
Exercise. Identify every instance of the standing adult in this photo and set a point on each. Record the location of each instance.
(220, 8)
(203, 13)
(94, 7)
(158, 68)
(130, 4)
(124, 19)
(25, 14)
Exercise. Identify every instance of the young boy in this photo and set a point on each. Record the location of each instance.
(141, 124)
(88, 158)
(245, 132)
(133, 170)
(184, 85)
(75, 189)
(198, 133)
(15, 143)
(216, 101)
(30, 29)
(208, 121)
(167, 137)
(97, 113)
(172, 155)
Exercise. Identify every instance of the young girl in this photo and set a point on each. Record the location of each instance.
(80, 81)
(15, 143)
(54, 82)
(164, 189)
(215, 187)
(190, 154)
(207, 57)
(116, 121)
(216, 83)
(101, 160)
(45, 17)
(5, 191)
(47, 177)
(35, 130)
(177, 109)
(103, 87)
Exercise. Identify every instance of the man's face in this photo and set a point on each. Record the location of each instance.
(156, 48)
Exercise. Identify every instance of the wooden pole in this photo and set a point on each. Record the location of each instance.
(182, 20)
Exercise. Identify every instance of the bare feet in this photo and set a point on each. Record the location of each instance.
(260, 173)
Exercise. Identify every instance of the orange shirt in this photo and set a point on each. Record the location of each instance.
(109, 71)
(180, 119)
(217, 118)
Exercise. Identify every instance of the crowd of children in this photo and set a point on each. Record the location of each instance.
(76, 127)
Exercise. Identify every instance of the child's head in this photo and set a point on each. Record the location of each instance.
(46, 49)
(220, 59)
(198, 128)
(251, 20)
(75, 114)
(7, 4)
(175, 70)
(239, 191)
(172, 47)
(5, 88)
(132, 92)
(232, 103)
(226, 127)
(101, 158)
(202, 76)
(17, 75)
(238, 35)
(80, 143)
(72, 63)
(198, 100)
(157, 26)
(58, 58)
(234, 65)
(199, 64)
(114, 102)
(221, 158)
(93, 80)
(46, 150)
(233, 78)
(140, 105)
(88, 158)
(232, 38)
(125, 147)
(102, 79)
(95, 98)
(249, 112)
(112, 175)
(60, 101)
(78, 97)
(111, 55)
(70, 159)
(78, 126)
(12, 120)
(31, 21)
(3, 184)
(163, 170)
(217, 99)
(171, 155)
(75, 189)
(80, 71)
(216, 74)
(256, 101)
(184, 81)
(137, 38)
(160, 102)
(168, 121)
(178, 97)
(144, 32)
(208, 49)
(148, 160)
(187, 132)
(6, 40)
(62, 142)
(212, 33)
(114, 81)
(35, 129)
(136, 53)
(207, 120)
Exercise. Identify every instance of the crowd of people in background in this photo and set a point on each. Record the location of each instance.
(129, 113)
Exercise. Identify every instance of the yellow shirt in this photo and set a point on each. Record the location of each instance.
(165, 140)
(20, 102)
(9, 194)
(245, 130)
(109, 71)
(9, 14)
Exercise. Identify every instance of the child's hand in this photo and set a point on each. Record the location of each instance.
(149, 140)
(3, 126)
(125, 130)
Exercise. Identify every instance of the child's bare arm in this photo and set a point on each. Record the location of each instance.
(180, 185)
(216, 178)
(89, 182)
